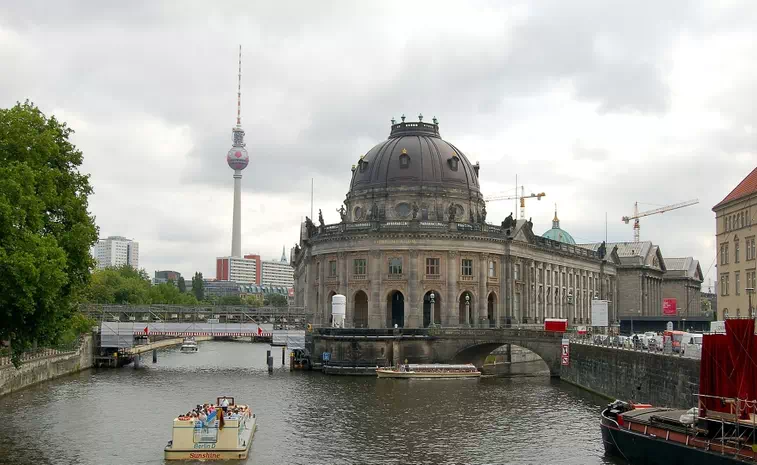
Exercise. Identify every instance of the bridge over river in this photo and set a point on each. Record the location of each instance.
(376, 347)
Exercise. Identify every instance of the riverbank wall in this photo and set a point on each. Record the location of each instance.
(658, 379)
(46, 368)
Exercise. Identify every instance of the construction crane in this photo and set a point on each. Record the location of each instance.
(636, 215)
(522, 197)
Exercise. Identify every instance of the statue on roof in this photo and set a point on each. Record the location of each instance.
(342, 212)
(320, 218)
(296, 250)
(373, 214)
(602, 250)
(415, 210)
(530, 224)
(483, 214)
(508, 222)
(309, 227)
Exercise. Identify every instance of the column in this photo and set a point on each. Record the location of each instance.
(321, 264)
(452, 314)
(504, 305)
(414, 311)
(307, 292)
(376, 305)
(343, 272)
(483, 302)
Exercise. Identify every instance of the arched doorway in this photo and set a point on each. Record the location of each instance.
(491, 304)
(395, 309)
(432, 314)
(466, 308)
(360, 310)
(330, 316)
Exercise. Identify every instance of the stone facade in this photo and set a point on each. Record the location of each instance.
(415, 226)
(736, 230)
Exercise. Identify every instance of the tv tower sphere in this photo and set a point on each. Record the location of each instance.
(237, 158)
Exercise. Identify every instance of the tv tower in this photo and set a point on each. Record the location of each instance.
(238, 159)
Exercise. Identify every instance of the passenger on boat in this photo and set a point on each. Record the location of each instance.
(225, 404)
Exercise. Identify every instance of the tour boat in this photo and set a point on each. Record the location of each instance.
(193, 439)
(189, 345)
(429, 370)
(721, 430)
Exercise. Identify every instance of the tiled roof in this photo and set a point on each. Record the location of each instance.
(625, 249)
(681, 264)
(747, 186)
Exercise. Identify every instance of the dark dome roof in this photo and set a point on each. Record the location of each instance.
(414, 155)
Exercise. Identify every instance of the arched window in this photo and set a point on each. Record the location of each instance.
(404, 159)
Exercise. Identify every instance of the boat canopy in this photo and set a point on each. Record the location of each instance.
(439, 366)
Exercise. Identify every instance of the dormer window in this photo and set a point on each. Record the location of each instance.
(404, 159)
(362, 164)
(453, 162)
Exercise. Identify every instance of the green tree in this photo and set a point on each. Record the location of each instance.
(276, 300)
(253, 300)
(182, 285)
(45, 229)
(198, 287)
(230, 300)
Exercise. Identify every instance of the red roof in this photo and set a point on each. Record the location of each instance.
(745, 187)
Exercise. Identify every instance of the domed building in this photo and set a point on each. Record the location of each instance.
(557, 234)
(414, 248)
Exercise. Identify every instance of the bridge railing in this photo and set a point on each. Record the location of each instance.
(40, 353)
(628, 345)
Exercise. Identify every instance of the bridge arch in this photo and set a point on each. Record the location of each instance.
(474, 345)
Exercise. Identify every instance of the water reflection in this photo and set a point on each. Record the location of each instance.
(124, 416)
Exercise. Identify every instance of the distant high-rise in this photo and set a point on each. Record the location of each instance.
(238, 159)
(116, 251)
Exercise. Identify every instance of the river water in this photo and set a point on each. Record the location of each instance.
(124, 416)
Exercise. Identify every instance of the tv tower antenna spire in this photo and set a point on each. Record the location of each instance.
(239, 90)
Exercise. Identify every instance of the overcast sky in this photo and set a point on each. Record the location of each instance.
(599, 104)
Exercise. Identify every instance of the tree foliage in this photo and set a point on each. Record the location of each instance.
(198, 286)
(182, 285)
(126, 286)
(276, 300)
(45, 229)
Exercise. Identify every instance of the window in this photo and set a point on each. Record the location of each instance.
(432, 266)
(571, 280)
(395, 266)
(736, 251)
(403, 210)
(453, 161)
(516, 271)
(557, 277)
(317, 270)
(724, 284)
(737, 282)
(750, 248)
(332, 268)
(404, 159)
(492, 269)
(359, 266)
(724, 254)
(750, 275)
(466, 267)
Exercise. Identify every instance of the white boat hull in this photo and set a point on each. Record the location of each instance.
(216, 454)
(425, 375)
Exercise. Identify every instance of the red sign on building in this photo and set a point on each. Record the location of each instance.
(668, 306)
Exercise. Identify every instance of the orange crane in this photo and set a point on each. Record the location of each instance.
(636, 215)
(522, 197)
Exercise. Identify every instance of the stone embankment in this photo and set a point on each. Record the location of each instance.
(46, 367)
(659, 379)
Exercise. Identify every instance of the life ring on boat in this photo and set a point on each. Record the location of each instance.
(310, 328)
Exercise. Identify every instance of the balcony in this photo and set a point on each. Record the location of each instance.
(395, 276)
(467, 278)
(358, 277)
(433, 277)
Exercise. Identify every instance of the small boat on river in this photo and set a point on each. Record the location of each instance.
(429, 370)
(721, 430)
(212, 432)
(189, 346)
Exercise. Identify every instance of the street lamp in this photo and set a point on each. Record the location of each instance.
(467, 308)
(431, 300)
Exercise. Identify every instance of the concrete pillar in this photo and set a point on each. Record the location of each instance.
(504, 304)
(376, 304)
(414, 307)
(306, 298)
(396, 352)
(452, 313)
(483, 302)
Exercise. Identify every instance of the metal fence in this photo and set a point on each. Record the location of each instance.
(689, 350)
(40, 353)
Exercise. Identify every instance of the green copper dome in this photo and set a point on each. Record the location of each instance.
(557, 234)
